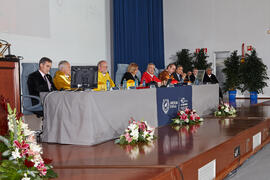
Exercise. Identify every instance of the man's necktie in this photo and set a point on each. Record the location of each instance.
(48, 83)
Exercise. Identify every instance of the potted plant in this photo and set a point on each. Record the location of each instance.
(184, 58)
(200, 61)
(231, 71)
(253, 74)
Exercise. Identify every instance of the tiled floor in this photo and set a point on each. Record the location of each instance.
(255, 168)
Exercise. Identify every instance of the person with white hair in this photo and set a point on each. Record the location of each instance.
(103, 76)
(62, 78)
(210, 78)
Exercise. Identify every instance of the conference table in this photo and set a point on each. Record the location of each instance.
(89, 117)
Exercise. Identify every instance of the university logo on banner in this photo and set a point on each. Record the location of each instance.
(170, 100)
(183, 103)
(166, 105)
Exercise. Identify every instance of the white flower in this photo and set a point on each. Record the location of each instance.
(135, 135)
(10, 126)
(24, 125)
(31, 138)
(25, 177)
(187, 120)
(177, 121)
(27, 132)
(219, 113)
(149, 138)
(152, 133)
(144, 134)
(16, 154)
(132, 127)
(35, 148)
(226, 110)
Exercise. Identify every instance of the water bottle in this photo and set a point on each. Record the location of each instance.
(144, 83)
(136, 82)
(108, 85)
(196, 82)
(125, 84)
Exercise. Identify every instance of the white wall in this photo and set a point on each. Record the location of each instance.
(75, 30)
(218, 25)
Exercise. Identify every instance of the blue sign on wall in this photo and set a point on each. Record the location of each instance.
(170, 100)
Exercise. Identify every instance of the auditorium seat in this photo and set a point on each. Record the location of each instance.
(28, 68)
(121, 69)
(53, 71)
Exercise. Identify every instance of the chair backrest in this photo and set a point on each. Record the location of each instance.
(121, 69)
(53, 71)
(27, 68)
(157, 71)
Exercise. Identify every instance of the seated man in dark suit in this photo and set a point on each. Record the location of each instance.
(40, 81)
(193, 76)
(179, 75)
(211, 78)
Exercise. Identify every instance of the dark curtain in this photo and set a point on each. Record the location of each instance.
(138, 32)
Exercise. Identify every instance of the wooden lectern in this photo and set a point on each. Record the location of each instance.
(9, 88)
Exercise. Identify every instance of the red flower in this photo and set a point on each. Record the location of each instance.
(183, 117)
(192, 117)
(28, 163)
(22, 145)
(197, 118)
(187, 111)
(47, 161)
(142, 126)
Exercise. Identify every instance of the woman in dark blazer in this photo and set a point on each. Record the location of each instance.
(131, 73)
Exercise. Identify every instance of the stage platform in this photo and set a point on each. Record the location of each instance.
(212, 149)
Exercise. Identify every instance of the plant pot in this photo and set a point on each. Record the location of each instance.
(232, 96)
(253, 97)
(233, 103)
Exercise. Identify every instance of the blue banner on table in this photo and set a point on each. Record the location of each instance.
(170, 100)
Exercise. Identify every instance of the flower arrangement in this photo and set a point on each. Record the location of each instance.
(21, 154)
(187, 117)
(136, 132)
(225, 110)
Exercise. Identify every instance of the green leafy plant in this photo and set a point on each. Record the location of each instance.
(253, 73)
(184, 58)
(200, 61)
(231, 71)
